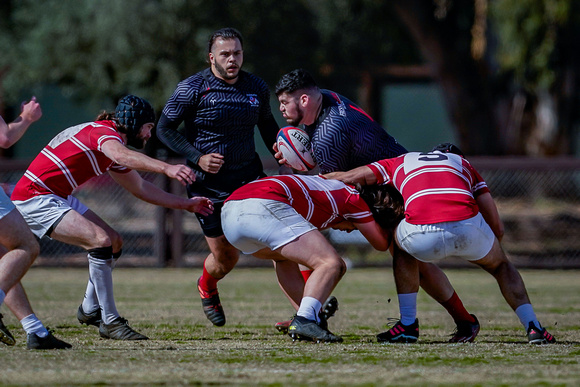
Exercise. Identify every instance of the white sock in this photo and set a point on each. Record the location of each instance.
(2, 296)
(100, 272)
(91, 301)
(309, 308)
(527, 315)
(32, 324)
(408, 307)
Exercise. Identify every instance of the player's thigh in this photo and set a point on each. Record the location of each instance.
(15, 233)
(116, 238)
(311, 249)
(76, 229)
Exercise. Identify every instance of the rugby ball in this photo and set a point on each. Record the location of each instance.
(294, 143)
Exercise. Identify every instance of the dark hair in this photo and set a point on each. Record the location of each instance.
(385, 202)
(295, 80)
(106, 116)
(224, 33)
(448, 147)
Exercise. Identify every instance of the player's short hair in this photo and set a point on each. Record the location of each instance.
(224, 33)
(448, 147)
(298, 79)
(385, 202)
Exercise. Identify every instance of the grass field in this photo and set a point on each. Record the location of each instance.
(185, 349)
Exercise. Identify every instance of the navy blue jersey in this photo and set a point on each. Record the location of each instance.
(219, 118)
(345, 137)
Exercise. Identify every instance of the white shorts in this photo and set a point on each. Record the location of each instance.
(469, 239)
(43, 212)
(253, 224)
(6, 204)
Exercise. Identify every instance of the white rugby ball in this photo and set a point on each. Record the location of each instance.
(294, 143)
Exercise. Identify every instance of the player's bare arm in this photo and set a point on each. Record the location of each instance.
(376, 235)
(361, 175)
(211, 163)
(12, 132)
(138, 161)
(489, 212)
(150, 193)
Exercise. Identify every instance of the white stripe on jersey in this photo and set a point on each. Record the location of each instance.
(429, 170)
(307, 196)
(90, 155)
(102, 139)
(382, 171)
(32, 177)
(437, 191)
(58, 162)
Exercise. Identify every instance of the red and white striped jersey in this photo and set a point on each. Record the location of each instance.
(71, 158)
(437, 187)
(322, 202)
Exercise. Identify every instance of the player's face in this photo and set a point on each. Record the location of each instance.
(143, 136)
(291, 109)
(226, 58)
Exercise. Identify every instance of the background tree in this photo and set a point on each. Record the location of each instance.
(508, 70)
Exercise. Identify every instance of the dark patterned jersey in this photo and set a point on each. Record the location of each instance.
(220, 118)
(345, 137)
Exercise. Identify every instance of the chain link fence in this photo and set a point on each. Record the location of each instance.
(538, 200)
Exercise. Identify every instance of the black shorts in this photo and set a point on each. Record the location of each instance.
(211, 225)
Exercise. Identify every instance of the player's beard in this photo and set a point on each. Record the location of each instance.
(297, 119)
(224, 73)
(136, 142)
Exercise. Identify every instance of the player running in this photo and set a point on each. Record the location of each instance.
(344, 137)
(279, 218)
(76, 155)
(449, 212)
(220, 108)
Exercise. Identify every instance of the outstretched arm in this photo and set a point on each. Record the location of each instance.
(150, 193)
(126, 157)
(361, 175)
(12, 132)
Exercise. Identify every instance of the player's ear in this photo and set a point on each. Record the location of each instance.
(304, 99)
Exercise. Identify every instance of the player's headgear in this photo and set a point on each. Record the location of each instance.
(132, 113)
(448, 147)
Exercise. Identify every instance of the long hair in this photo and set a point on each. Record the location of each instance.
(111, 116)
(385, 202)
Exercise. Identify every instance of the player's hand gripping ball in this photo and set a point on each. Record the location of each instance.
(294, 144)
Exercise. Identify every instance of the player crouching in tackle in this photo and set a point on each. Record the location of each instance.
(449, 212)
(279, 218)
(44, 198)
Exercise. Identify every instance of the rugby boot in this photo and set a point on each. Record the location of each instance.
(93, 318)
(282, 326)
(466, 331)
(400, 333)
(119, 329)
(539, 336)
(212, 307)
(328, 310)
(5, 335)
(303, 329)
(33, 341)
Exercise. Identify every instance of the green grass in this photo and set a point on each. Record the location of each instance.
(185, 349)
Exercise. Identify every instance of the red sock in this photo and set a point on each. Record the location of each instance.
(206, 281)
(455, 308)
(306, 274)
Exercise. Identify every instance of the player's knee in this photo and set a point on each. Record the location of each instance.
(101, 239)
(116, 241)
